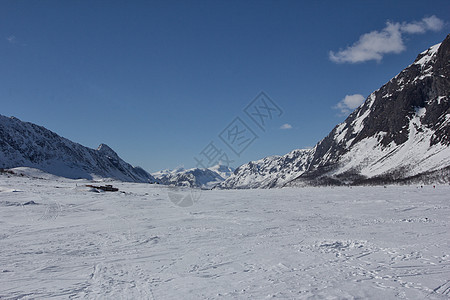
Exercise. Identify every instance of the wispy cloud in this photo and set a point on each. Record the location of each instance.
(349, 103)
(11, 39)
(374, 45)
(432, 23)
(286, 126)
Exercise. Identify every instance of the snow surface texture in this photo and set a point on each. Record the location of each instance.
(62, 240)
(24, 144)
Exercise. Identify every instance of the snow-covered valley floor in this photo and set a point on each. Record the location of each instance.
(303, 243)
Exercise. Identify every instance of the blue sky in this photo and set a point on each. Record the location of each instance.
(158, 81)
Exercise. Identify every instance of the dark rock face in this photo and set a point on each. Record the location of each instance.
(25, 144)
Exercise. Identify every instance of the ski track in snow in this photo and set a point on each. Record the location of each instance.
(294, 243)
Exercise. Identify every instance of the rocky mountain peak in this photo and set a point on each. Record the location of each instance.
(107, 151)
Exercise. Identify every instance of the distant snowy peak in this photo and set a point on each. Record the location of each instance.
(168, 171)
(24, 144)
(223, 171)
(196, 177)
(272, 171)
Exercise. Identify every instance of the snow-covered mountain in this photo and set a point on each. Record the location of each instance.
(196, 177)
(401, 133)
(272, 171)
(222, 170)
(24, 144)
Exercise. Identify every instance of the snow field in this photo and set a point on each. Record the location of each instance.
(292, 243)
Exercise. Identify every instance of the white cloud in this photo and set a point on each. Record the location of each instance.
(433, 23)
(375, 44)
(372, 46)
(286, 126)
(349, 103)
(413, 28)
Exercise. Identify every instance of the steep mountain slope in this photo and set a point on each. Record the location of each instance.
(197, 177)
(24, 144)
(401, 133)
(272, 171)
